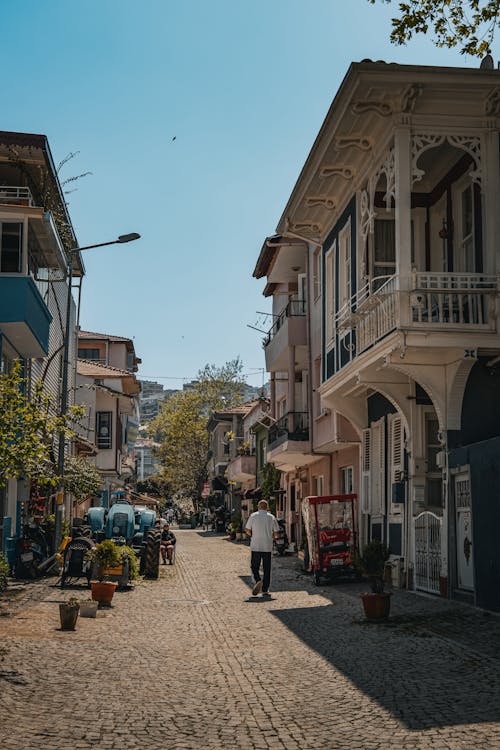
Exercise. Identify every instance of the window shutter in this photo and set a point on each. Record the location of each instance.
(396, 449)
(377, 468)
(396, 453)
(365, 472)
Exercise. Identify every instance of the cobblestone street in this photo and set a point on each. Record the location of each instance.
(186, 663)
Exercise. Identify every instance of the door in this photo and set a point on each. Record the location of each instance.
(463, 514)
(427, 551)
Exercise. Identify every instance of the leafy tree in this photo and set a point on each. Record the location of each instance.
(182, 430)
(81, 477)
(156, 484)
(220, 387)
(29, 429)
(467, 24)
(181, 426)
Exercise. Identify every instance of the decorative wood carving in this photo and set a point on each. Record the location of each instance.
(306, 226)
(320, 200)
(339, 170)
(368, 105)
(422, 142)
(492, 103)
(410, 96)
(367, 197)
(361, 142)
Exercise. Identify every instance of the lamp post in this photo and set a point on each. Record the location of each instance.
(65, 371)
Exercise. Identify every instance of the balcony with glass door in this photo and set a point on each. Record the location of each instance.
(24, 316)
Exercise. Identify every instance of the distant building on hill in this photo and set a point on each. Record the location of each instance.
(151, 397)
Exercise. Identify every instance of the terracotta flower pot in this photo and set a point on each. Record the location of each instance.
(376, 606)
(103, 591)
(68, 614)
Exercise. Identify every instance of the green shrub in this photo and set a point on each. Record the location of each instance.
(106, 555)
(371, 563)
(133, 562)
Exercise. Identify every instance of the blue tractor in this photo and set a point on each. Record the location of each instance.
(133, 525)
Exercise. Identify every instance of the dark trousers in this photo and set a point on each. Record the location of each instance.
(266, 564)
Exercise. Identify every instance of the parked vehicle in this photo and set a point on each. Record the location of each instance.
(220, 522)
(331, 532)
(281, 539)
(32, 550)
(132, 525)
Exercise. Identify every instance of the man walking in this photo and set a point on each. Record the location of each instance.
(261, 527)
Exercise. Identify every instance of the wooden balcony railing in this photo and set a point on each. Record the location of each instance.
(448, 301)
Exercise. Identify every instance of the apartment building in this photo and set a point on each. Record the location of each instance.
(109, 389)
(36, 236)
(384, 275)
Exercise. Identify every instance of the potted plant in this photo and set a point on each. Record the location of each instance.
(88, 608)
(68, 613)
(244, 449)
(106, 555)
(236, 525)
(371, 564)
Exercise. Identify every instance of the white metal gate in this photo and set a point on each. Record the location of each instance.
(427, 536)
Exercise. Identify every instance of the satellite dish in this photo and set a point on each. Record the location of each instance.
(487, 63)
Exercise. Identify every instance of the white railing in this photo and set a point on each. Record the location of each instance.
(378, 315)
(430, 300)
(453, 299)
(16, 196)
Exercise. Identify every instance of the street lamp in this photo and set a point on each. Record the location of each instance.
(65, 370)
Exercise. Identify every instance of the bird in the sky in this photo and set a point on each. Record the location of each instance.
(174, 137)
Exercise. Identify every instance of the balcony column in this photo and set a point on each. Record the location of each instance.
(291, 386)
(402, 169)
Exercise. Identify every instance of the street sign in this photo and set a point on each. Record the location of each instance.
(206, 490)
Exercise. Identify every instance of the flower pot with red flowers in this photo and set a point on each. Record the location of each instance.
(371, 564)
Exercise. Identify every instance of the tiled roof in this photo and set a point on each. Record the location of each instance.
(243, 408)
(103, 336)
(96, 370)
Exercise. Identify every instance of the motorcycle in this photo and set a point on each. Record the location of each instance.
(281, 538)
(32, 550)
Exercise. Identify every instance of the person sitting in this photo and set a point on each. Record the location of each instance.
(168, 542)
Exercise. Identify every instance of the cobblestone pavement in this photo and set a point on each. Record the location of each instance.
(185, 663)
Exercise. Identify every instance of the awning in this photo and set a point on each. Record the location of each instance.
(255, 494)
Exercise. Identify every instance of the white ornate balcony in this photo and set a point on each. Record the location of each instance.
(430, 302)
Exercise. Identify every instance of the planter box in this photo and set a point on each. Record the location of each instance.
(88, 609)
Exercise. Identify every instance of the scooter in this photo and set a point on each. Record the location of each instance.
(31, 553)
(281, 539)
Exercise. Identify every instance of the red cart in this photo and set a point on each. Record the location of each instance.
(331, 532)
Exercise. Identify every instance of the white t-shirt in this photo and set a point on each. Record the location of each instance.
(262, 523)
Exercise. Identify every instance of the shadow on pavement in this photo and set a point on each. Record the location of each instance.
(419, 678)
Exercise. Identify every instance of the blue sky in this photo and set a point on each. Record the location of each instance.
(244, 88)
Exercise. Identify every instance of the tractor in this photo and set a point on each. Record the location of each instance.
(133, 525)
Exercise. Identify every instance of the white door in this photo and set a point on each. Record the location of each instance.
(465, 556)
